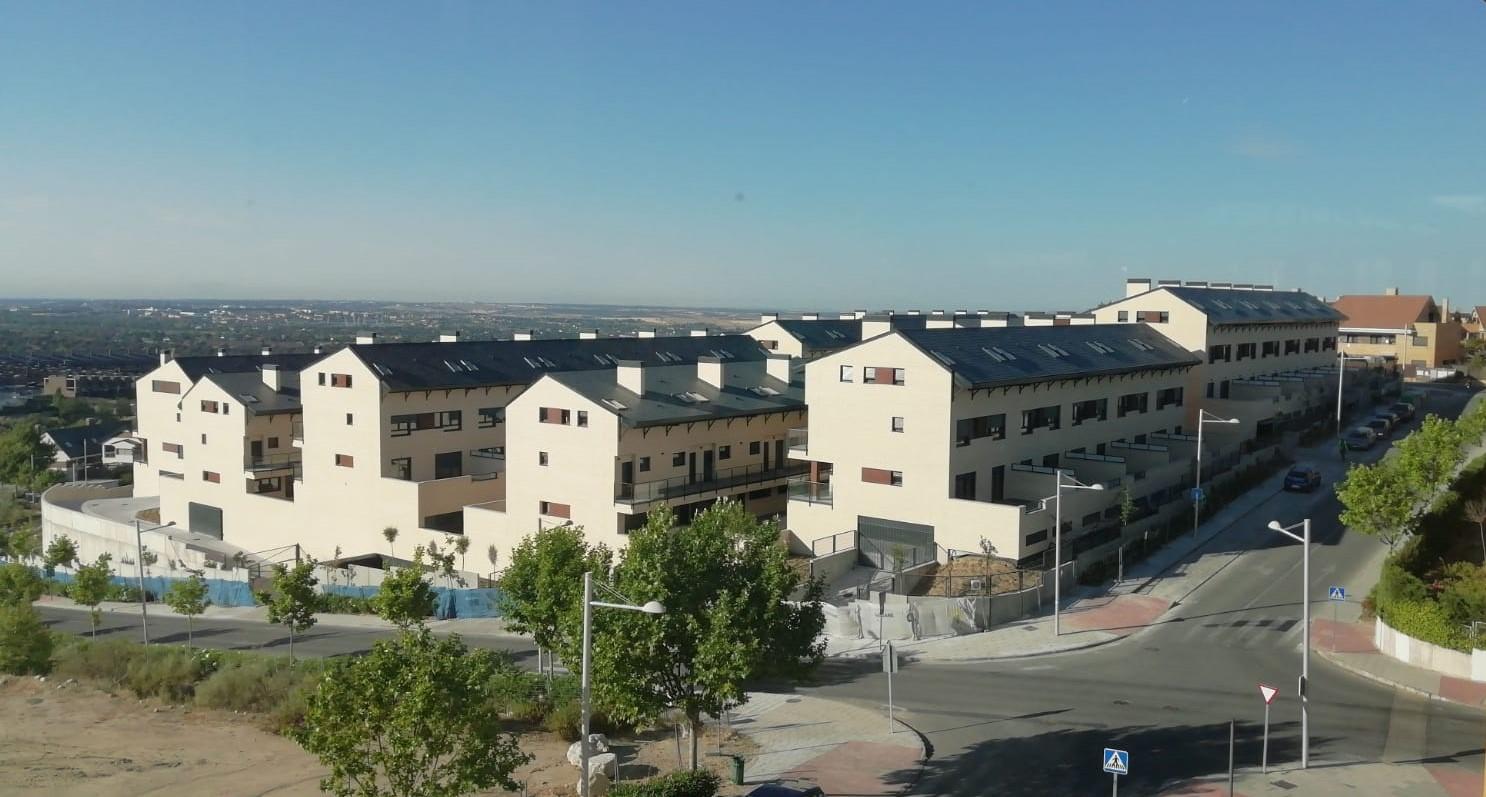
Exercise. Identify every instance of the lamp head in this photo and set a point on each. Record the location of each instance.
(1231, 420)
(1096, 486)
(1274, 525)
(653, 607)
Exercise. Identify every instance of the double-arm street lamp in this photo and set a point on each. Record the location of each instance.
(144, 620)
(1304, 538)
(1203, 418)
(1059, 483)
(653, 607)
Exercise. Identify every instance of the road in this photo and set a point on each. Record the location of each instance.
(1166, 694)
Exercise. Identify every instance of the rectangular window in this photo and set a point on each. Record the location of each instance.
(322, 378)
(164, 386)
(754, 448)
(211, 476)
(1091, 410)
(897, 425)
(542, 458)
(845, 373)
(348, 419)
(226, 409)
(724, 452)
(893, 478)
(898, 376)
(1292, 346)
(678, 460)
(882, 375)
(173, 448)
(273, 442)
(554, 415)
(968, 429)
(491, 416)
(1247, 351)
(644, 464)
(449, 420)
(345, 461)
(203, 439)
(582, 417)
(340, 380)
(1328, 344)
(1040, 418)
(1036, 537)
(1089, 519)
(1271, 348)
(1152, 316)
(1133, 403)
(402, 468)
(965, 486)
(1124, 316)
(209, 406)
(554, 509)
(869, 375)
(1171, 396)
(1312, 344)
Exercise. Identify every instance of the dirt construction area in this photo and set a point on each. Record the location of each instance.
(77, 740)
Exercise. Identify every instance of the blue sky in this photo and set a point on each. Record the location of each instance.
(791, 155)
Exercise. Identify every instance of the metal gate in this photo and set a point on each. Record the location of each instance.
(892, 544)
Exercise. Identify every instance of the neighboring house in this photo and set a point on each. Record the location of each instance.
(1410, 332)
(1269, 357)
(89, 385)
(929, 439)
(1475, 323)
(810, 335)
(78, 448)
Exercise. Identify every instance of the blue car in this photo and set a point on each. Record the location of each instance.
(1303, 478)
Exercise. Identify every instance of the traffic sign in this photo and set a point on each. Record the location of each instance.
(1268, 692)
(1197, 494)
(1116, 762)
(889, 658)
(1336, 593)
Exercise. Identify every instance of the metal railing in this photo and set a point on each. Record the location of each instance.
(801, 489)
(296, 431)
(272, 462)
(679, 486)
(797, 439)
(841, 541)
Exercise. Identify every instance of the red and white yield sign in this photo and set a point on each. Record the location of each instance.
(1268, 692)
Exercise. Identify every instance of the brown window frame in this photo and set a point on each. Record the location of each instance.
(340, 380)
(165, 386)
(211, 476)
(345, 461)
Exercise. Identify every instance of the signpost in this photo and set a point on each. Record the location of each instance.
(889, 666)
(1116, 763)
(1335, 595)
(1267, 692)
(1196, 495)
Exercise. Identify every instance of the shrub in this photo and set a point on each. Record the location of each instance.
(19, 584)
(1425, 621)
(25, 644)
(257, 684)
(168, 673)
(564, 719)
(105, 663)
(681, 783)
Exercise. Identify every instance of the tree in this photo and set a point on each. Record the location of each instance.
(1427, 458)
(726, 584)
(25, 544)
(1127, 507)
(23, 455)
(1475, 512)
(19, 584)
(390, 534)
(414, 718)
(493, 554)
(188, 597)
(405, 599)
(293, 600)
(988, 550)
(90, 587)
(461, 547)
(1377, 501)
(62, 552)
(543, 583)
(25, 643)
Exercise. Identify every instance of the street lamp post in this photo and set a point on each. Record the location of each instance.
(1058, 485)
(144, 619)
(1304, 538)
(652, 607)
(1341, 372)
(1203, 418)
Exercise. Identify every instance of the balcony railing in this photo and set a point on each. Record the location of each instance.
(680, 486)
(296, 434)
(798, 439)
(800, 489)
(268, 463)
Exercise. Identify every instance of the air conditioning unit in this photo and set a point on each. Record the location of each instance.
(977, 584)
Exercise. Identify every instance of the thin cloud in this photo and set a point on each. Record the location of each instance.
(1474, 204)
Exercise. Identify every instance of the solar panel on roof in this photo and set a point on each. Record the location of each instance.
(944, 358)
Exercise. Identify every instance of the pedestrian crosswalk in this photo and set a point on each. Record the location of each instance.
(1247, 631)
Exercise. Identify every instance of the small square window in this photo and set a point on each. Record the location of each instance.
(542, 458)
(678, 460)
(644, 464)
(895, 478)
(345, 460)
(897, 423)
(177, 417)
(897, 376)
(754, 448)
(348, 419)
(273, 442)
(203, 439)
(322, 378)
(845, 373)
(1124, 316)
(582, 417)
(869, 374)
(724, 452)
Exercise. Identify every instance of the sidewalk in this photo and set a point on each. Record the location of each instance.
(1349, 645)
(1412, 779)
(840, 747)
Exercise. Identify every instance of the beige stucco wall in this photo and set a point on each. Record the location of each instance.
(784, 343)
(155, 422)
(1429, 345)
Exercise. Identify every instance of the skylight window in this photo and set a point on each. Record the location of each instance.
(469, 366)
(991, 353)
(691, 397)
(1099, 347)
(612, 404)
(765, 391)
(531, 363)
(1052, 351)
(382, 369)
(248, 398)
(1141, 345)
(1004, 353)
(944, 358)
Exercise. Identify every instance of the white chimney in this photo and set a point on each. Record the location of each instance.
(645, 333)
(1264, 288)
(939, 322)
(450, 337)
(709, 370)
(1390, 291)
(594, 335)
(847, 316)
(266, 351)
(914, 312)
(765, 318)
(777, 366)
(528, 335)
(859, 313)
(367, 339)
(221, 351)
(810, 316)
(936, 312)
(166, 355)
(1138, 285)
(872, 327)
(271, 376)
(698, 333)
(630, 374)
(318, 350)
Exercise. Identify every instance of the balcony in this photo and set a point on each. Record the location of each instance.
(684, 486)
(798, 443)
(266, 465)
(800, 489)
(296, 434)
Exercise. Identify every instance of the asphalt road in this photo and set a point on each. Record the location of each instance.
(1166, 694)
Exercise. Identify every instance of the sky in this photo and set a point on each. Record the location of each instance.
(785, 155)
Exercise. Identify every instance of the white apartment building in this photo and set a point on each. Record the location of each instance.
(929, 439)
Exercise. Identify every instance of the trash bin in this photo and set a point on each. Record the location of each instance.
(737, 769)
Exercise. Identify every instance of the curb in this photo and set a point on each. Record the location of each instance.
(926, 751)
(1374, 677)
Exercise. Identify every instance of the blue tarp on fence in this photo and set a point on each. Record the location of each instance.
(451, 603)
(221, 593)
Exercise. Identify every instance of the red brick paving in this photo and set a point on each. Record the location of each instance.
(1456, 781)
(1342, 637)
(860, 768)
(1462, 691)
(1120, 614)
(1211, 789)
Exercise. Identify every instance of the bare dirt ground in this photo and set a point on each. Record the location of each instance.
(954, 579)
(81, 741)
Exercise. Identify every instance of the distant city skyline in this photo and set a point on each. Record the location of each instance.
(770, 155)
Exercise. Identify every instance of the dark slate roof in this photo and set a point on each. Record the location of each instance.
(977, 356)
(1227, 306)
(825, 333)
(70, 440)
(662, 403)
(256, 396)
(197, 367)
(428, 366)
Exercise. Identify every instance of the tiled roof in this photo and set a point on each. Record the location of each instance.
(259, 398)
(75, 441)
(197, 367)
(672, 393)
(428, 366)
(1382, 312)
(1009, 356)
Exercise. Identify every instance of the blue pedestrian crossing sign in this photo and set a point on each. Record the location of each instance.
(1336, 593)
(1116, 762)
(1197, 494)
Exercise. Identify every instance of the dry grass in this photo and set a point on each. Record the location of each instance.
(954, 579)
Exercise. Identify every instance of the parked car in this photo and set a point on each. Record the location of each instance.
(1303, 478)
(1360, 438)
(780, 790)
(1403, 409)
(1380, 425)
(1393, 417)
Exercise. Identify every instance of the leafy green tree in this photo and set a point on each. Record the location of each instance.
(1475, 512)
(25, 644)
(726, 584)
(292, 602)
(25, 544)
(1379, 501)
(390, 534)
(461, 547)
(23, 455)
(90, 586)
(188, 597)
(417, 717)
(1464, 594)
(544, 582)
(19, 584)
(62, 552)
(1427, 458)
(405, 599)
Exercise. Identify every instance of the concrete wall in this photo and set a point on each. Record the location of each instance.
(1390, 642)
(95, 535)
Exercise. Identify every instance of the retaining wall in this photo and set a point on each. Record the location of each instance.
(1392, 642)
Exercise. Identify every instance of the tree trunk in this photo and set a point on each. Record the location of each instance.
(291, 642)
(694, 725)
(188, 632)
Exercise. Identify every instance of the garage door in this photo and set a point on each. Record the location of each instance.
(883, 541)
(204, 519)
